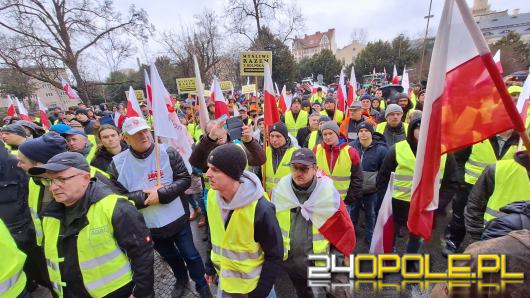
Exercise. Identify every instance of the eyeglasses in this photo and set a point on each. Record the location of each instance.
(300, 169)
(60, 181)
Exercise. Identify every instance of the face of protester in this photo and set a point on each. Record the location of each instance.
(12, 138)
(417, 133)
(25, 163)
(261, 125)
(330, 137)
(68, 186)
(243, 114)
(145, 110)
(276, 139)
(375, 103)
(317, 108)
(421, 98)
(365, 135)
(76, 143)
(140, 141)
(81, 117)
(355, 114)
(69, 117)
(110, 139)
(403, 102)
(329, 106)
(394, 119)
(217, 178)
(90, 114)
(362, 92)
(296, 107)
(303, 175)
(313, 122)
(365, 104)
(378, 93)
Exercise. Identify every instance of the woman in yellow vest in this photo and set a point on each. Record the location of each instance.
(401, 159)
(87, 235)
(340, 162)
(12, 276)
(474, 160)
(246, 241)
(278, 154)
(500, 184)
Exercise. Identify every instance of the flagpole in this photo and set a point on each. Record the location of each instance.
(157, 160)
(265, 144)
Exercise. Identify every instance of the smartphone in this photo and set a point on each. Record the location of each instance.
(234, 126)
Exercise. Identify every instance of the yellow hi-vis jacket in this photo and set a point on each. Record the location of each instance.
(12, 276)
(481, 156)
(292, 125)
(341, 172)
(271, 177)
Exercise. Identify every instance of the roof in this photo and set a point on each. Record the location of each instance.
(496, 25)
(313, 40)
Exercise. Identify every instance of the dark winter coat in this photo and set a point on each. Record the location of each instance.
(103, 158)
(131, 235)
(517, 218)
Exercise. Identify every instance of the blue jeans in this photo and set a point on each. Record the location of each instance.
(179, 249)
(368, 201)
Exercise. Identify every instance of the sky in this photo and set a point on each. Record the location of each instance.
(381, 19)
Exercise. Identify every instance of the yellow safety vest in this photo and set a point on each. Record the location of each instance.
(511, 185)
(482, 155)
(104, 266)
(92, 152)
(312, 140)
(34, 194)
(292, 125)
(337, 117)
(195, 131)
(382, 126)
(341, 172)
(272, 178)
(317, 98)
(406, 161)
(12, 276)
(236, 256)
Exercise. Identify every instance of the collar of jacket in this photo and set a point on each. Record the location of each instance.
(143, 155)
(95, 191)
(104, 152)
(335, 148)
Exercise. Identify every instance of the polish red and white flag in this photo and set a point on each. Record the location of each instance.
(11, 111)
(352, 87)
(221, 108)
(395, 78)
(341, 93)
(453, 117)
(148, 90)
(133, 108)
(271, 114)
(70, 92)
(383, 236)
(22, 112)
(43, 114)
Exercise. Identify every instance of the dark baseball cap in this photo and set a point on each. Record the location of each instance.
(73, 131)
(61, 162)
(303, 156)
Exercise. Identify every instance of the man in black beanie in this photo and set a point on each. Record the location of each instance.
(242, 222)
(278, 154)
(33, 153)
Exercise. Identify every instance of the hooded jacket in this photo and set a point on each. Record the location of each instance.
(480, 194)
(356, 178)
(130, 232)
(103, 158)
(266, 230)
(373, 156)
(517, 218)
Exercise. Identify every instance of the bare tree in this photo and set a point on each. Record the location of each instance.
(248, 17)
(46, 35)
(359, 35)
(114, 51)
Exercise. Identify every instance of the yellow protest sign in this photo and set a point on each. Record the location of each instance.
(252, 62)
(226, 85)
(138, 93)
(245, 89)
(186, 85)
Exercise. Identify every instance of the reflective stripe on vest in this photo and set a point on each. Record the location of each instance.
(481, 156)
(341, 174)
(94, 171)
(237, 258)
(93, 149)
(382, 126)
(511, 185)
(406, 161)
(337, 117)
(271, 177)
(104, 267)
(292, 125)
(12, 277)
(34, 192)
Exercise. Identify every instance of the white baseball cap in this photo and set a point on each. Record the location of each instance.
(133, 125)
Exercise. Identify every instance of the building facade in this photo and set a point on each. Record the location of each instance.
(313, 44)
(497, 24)
(348, 53)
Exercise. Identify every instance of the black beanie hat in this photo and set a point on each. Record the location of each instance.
(230, 159)
(366, 125)
(43, 148)
(281, 128)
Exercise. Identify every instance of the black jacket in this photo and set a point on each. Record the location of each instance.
(517, 218)
(254, 151)
(130, 233)
(14, 210)
(166, 194)
(480, 194)
(302, 136)
(103, 158)
(268, 234)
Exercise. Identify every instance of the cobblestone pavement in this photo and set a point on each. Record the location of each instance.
(164, 279)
